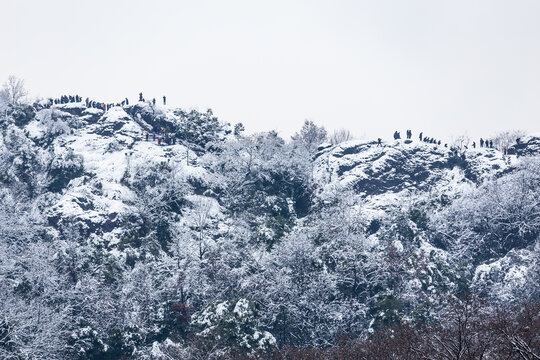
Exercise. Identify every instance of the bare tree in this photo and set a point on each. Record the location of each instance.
(340, 136)
(311, 135)
(507, 138)
(13, 91)
(460, 142)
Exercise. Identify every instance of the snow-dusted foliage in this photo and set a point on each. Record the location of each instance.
(148, 232)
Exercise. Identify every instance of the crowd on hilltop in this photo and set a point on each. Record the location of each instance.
(162, 137)
(141, 98)
(488, 144)
(397, 136)
(66, 99)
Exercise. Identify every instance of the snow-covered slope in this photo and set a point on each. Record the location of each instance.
(111, 147)
(179, 237)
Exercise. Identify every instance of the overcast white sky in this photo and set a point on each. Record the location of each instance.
(442, 67)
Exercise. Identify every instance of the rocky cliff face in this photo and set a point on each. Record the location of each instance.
(398, 171)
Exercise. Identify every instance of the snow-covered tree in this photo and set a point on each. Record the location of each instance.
(13, 91)
(339, 136)
(310, 135)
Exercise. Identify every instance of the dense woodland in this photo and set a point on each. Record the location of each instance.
(236, 245)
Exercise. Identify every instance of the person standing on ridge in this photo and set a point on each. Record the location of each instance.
(140, 97)
(481, 142)
(164, 100)
(420, 136)
(379, 142)
(154, 101)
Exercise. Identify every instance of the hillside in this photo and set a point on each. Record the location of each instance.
(115, 245)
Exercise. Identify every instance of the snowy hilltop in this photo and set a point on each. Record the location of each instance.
(146, 231)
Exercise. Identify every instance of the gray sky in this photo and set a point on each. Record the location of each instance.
(444, 67)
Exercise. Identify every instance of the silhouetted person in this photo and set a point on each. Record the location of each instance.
(140, 97)
(164, 100)
(474, 145)
(481, 142)
(127, 101)
(154, 101)
(379, 142)
(420, 136)
(491, 144)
